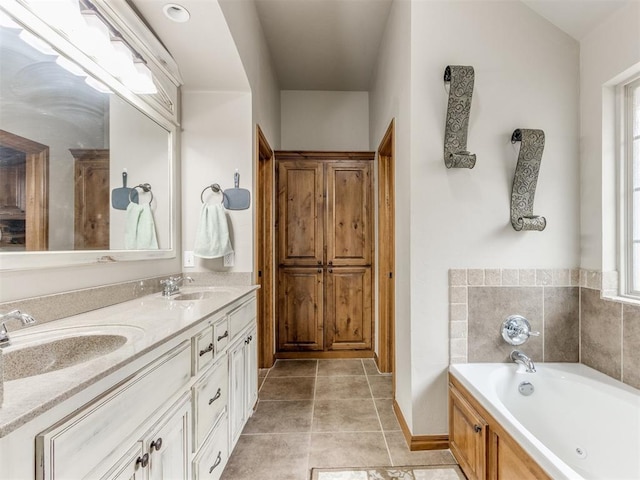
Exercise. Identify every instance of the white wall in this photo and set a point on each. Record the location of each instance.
(319, 120)
(608, 55)
(138, 144)
(216, 139)
(243, 22)
(389, 98)
(526, 77)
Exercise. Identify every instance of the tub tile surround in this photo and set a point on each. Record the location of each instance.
(573, 309)
(61, 305)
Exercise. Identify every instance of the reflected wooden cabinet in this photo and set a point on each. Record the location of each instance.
(325, 249)
(91, 216)
(484, 450)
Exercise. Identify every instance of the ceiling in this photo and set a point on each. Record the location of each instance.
(315, 44)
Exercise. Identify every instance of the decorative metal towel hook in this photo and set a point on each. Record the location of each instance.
(214, 188)
(525, 180)
(145, 187)
(458, 110)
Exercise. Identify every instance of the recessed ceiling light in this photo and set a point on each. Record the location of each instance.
(176, 12)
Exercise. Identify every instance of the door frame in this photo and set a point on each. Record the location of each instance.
(386, 251)
(264, 251)
(36, 189)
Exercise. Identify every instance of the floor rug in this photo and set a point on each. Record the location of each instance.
(439, 472)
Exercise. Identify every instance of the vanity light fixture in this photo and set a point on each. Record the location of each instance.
(176, 13)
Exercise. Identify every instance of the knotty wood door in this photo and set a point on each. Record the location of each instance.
(91, 219)
(325, 244)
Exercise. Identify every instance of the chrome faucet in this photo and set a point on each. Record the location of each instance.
(25, 318)
(522, 359)
(171, 285)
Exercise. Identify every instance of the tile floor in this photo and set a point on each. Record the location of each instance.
(322, 413)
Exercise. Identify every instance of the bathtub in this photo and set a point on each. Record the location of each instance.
(577, 424)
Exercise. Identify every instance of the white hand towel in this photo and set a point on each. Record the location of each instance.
(212, 236)
(140, 229)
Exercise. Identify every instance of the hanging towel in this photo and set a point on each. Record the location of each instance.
(140, 229)
(212, 236)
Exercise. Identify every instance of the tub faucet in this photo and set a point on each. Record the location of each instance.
(25, 318)
(519, 357)
(171, 285)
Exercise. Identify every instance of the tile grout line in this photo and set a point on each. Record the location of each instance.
(313, 409)
(384, 437)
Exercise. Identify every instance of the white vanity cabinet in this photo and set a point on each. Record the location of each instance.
(176, 417)
(243, 368)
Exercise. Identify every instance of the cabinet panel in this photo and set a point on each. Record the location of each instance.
(507, 460)
(300, 206)
(221, 335)
(101, 428)
(348, 308)
(349, 213)
(128, 467)
(300, 309)
(169, 444)
(467, 436)
(212, 458)
(203, 350)
(210, 399)
(241, 317)
(251, 373)
(237, 381)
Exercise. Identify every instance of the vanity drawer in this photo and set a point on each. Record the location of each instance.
(101, 428)
(210, 462)
(221, 335)
(241, 317)
(210, 395)
(203, 347)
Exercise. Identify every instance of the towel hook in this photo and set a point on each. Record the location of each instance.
(215, 188)
(145, 187)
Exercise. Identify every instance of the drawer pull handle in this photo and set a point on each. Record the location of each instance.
(217, 462)
(215, 397)
(157, 444)
(477, 428)
(207, 350)
(143, 461)
(224, 335)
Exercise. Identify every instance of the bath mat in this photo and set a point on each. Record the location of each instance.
(436, 472)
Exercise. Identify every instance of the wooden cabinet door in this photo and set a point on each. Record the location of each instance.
(507, 460)
(237, 389)
(91, 216)
(348, 308)
(467, 436)
(300, 309)
(251, 371)
(349, 229)
(300, 207)
(169, 445)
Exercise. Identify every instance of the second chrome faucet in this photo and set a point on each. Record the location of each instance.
(522, 359)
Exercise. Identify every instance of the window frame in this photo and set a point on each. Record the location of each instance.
(626, 249)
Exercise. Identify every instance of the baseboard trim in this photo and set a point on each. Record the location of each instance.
(419, 442)
(321, 355)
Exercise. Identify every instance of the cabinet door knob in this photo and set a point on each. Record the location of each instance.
(157, 444)
(207, 350)
(216, 396)
(224, 335)
(143, 461)
(217, 462)
(477, 428)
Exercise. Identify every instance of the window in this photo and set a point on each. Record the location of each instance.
(631, 185)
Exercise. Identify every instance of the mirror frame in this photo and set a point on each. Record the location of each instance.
(164, 112)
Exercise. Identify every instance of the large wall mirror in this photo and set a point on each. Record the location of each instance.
(86, 170)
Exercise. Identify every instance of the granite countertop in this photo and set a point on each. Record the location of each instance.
(146, 322)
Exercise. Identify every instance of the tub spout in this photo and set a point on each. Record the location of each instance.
(519, 357)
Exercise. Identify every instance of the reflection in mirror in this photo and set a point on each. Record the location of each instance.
(65, 141)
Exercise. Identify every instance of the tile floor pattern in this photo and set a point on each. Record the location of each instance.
(322, 414)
